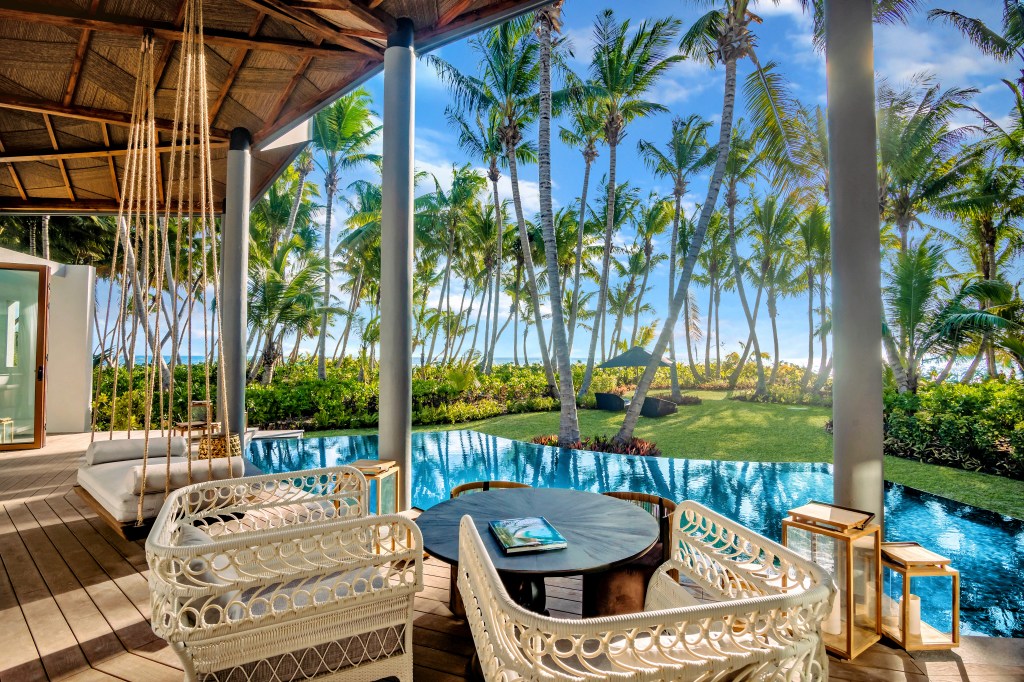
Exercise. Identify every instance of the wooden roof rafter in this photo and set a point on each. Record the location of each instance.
(14, 177)
(12, 10)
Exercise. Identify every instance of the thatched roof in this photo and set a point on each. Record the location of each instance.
(67, 73)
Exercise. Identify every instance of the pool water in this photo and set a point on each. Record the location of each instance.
(986, 547)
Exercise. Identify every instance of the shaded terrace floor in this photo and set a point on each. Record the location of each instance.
(74, 600)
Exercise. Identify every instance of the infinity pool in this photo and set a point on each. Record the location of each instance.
(988, 548)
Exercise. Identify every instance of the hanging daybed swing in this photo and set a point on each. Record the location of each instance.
(127, 480)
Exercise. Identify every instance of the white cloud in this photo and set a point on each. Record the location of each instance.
(783, 8)
(901, 52)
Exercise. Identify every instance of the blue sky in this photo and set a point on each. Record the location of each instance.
(690, 88)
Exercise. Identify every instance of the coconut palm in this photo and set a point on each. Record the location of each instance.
(1004, 44)
(303, 166)
(584, 132)
(342, 132)
(716, 266)
(652, 220)
(722, 35)
(687, 152)
(812, 229)
(919, 155)
(505, 89)
(923, 310)
(626, 65)
(547, 21)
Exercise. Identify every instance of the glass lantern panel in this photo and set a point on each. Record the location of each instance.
(936, 610)
(892, 600)
(830, 554)
(388, 491)
(865, 591)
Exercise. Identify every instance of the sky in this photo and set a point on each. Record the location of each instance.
(901, 52)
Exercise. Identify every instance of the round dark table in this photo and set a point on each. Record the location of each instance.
(601, 532)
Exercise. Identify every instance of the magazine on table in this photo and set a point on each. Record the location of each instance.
(527, 534)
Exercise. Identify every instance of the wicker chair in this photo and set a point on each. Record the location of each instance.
(764, 621)
(454, 599)
(284, 577)
(622, 589)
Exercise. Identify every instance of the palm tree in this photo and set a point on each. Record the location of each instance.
(771, 224)
(812, 229)
(342, 132)
(920, 317)
(722, 35)
(509, 76)
(687, 152)
(303, 166)
(1003, 44)
(717, 266)
(652, 220)
(626, 66)
(989, 207)
(918, 154)
(547, 20)
(742, 166)
(584, 133)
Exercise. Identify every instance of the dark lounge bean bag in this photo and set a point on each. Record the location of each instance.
(610, 402)
(656, 407)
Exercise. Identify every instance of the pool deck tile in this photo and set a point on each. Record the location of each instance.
(74, 599)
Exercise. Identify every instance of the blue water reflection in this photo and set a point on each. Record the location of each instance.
(987, 548)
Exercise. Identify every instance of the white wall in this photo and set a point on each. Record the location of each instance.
(70, 342)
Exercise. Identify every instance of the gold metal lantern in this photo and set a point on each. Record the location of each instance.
(910, 571)
(844, 542)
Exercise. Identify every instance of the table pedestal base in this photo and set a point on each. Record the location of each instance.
(526, 590)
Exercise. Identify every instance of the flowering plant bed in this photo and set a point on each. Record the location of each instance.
(634, 446)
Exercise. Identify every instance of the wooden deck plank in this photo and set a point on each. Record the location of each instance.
(21, 659)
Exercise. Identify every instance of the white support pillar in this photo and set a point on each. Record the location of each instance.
(234, 273)
(856, 265)
(396, 256)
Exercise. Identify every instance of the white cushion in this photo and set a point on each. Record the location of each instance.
(665, 593)
(158, 476)
(103, 451)
(209, 570)
(105, 483)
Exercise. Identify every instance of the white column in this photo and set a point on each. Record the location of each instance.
(396, 256)
(856, 264)
(234, 271)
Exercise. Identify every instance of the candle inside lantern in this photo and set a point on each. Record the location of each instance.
(913, 624)
(833, 625)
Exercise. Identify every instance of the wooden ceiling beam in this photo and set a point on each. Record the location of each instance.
(60, 155)
(378, 19)
(40, 106)
(52, 16)
(236, 66)
(312, 22)
(468, 18)
(288, 90)
(160, 66)
(10, 206)
(110, 164)
(14, 178)
(453, 12)
(59, 159)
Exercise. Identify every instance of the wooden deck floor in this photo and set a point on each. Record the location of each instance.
(74, 601)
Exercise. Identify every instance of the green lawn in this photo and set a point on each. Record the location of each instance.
(733, 430)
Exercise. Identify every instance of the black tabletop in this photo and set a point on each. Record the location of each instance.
(601, 531)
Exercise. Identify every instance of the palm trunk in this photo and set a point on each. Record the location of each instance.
(515, 315)
(578, 265)
(707, 329)
(294, 355)
(531, 275)
(751, 337)
(606, 264)
(697, 378)
(673, 247)
(741, 290)
(294, 213)
(485, 304)
(944, 374)
(44, 230)
(639, 302)
(823, 336)
(444, 292)
(810, 330)
(707, 209)
(773, 314)
(321, 348)
(718, 335)
(568, 423)
(895, 363)
(496, 296)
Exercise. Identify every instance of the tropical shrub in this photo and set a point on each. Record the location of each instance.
(634, 446)
(968, 426)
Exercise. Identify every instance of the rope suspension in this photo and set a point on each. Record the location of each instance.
(152, 266)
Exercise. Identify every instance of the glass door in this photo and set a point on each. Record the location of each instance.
(23, 313)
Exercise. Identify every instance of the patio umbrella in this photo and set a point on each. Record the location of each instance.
(634, 357)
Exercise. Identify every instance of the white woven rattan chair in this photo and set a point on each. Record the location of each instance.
(284, 577)
(762, 621)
